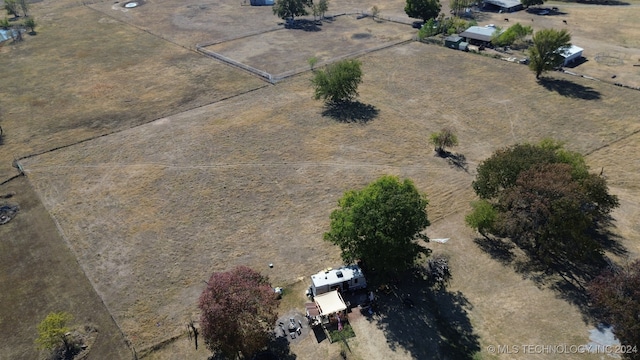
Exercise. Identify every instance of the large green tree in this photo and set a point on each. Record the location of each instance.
(289, 9)
(544, 199)
(379, 225)
(422, 9)
(616, 293)
(238, 312)
(338, 82)
(546, 52)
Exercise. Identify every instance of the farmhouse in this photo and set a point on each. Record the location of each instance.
(571, 54)
(479, 35)
(502, 5)
(344, 279)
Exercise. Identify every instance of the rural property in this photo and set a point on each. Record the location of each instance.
(163, 142)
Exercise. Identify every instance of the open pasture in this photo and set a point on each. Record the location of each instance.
(152, 210)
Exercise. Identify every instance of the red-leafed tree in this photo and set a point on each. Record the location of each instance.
(617, 294)
(238, 312)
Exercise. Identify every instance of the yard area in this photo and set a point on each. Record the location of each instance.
(193, 166)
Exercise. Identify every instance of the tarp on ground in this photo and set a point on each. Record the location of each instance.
(330, 303)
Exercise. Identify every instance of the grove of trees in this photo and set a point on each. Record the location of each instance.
(379, 225)
(238, 312)
(422, 9)
(542, 198)
(338, 82)
(545, 54)
(616, 293)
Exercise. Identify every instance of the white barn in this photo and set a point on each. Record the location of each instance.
(346, 278)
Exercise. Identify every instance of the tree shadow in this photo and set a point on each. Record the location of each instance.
(351, 112)
(427, 322)
(603, 2)
(498, 249)
(303, 24)
(569, 89)
(458, 161)
(566, 277)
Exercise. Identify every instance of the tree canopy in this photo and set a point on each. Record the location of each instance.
(289, 9)
(512, 35)
(546, 52)
(52, 332)
(238, 312)
(379, 224)
(544, 199)
(338, 82)
(443, 139)
(422, 9)
(617, 294)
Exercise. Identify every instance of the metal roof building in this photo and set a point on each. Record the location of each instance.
(479, 34)
(504, 5)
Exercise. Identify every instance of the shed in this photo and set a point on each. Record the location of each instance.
(479, 35)
(345, 278)
(502, 5)
(453, 41)
(570, 54)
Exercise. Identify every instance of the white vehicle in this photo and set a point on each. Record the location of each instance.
(347, 278)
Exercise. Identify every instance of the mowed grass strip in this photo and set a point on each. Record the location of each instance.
(252, 181)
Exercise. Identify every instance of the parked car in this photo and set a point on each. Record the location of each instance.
(417, 24)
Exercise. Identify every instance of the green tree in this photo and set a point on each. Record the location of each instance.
(30, 23)
(616, 293)
(546, 52)
(12, 7)
(238, 312)
(5, 24)
(379, 225)
(52, 332)
(545, 201)
(513, 34)
(338, 83)
(482, 217)
(422, 9)
(527, 3)
(443, 139)
(289, 9)
(24, 6)
(323, 7)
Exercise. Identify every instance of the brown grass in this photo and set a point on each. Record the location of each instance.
(158, 207)
(151, 211)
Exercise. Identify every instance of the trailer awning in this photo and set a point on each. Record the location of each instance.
(330, 303)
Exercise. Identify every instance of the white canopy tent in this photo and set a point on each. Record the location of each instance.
(330, 303)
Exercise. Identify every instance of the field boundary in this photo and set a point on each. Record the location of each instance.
(274, 78)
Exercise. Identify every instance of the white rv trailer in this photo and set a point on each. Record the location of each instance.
(347, 278)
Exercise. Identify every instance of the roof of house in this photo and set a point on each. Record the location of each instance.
(507, 4)
(336, 276)
(5, 35)
(570, 51)
(482, 33)
(330, 303)
(454, 38)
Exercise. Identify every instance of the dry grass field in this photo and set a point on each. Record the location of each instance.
(237, 172)
(152, 210)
